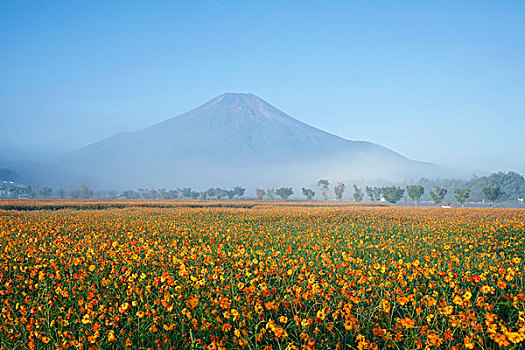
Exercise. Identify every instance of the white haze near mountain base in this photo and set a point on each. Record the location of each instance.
(234, 139)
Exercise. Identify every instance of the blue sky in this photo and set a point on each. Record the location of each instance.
(439, 81)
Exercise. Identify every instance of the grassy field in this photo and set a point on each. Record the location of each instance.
(173, 274)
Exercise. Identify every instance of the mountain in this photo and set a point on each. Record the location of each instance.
(235, 139)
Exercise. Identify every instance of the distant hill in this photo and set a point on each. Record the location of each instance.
(236, 139)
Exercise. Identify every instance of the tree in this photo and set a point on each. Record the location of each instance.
(260, 193)
(415, 192)
(358, 194)
(270, 193)
(184, 192)
(492, 194)
(3, 188)
(284, 192)
(461, 195)
(438, 194)
(129, 194)
(210, 192)
(45, 192)
(308, 193)
(29, 191)
(194, 195)
(392, 194)
(17, 191)
(239, 191)
(85, 192)
(339, 190)
(374, 193)
(214, 192)
(323, 186)
(230, 194)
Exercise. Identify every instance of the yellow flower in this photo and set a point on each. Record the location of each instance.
(457, 300)
(501, 284)
(111, 336)
(515, 337)
(487, 289)
(86, 319)
(45, 339)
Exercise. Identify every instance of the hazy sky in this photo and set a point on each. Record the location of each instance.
(439, 81)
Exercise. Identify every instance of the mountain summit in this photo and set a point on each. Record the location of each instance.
(235, 139)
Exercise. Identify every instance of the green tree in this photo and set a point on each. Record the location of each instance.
(211, 192)
(184, 192)
(438, 194)
(3, 188)
(270, 193)
(129, 194)
(284, 192)
(492, 194)
(230, 194)
(339, 190)
(392, 194)
(374, 193)
(308, 193)
(45, 192)
(239, 191)
(358, 194)
(260, 193)
(194, 195)
(30, 191)
(415, 192)
(323, 186)
(461, 195)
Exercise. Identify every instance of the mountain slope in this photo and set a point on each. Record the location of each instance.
(238, 139)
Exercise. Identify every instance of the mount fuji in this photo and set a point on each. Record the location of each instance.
(235, 139)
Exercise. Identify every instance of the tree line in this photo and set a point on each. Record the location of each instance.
(31, 191)
(495, 187)
(391, 194)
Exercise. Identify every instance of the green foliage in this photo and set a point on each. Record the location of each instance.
(339, 190)
(217, 192)
(374, 193)
(308, 193)
(493, 193)
(284, 192)
(461, 195)
(323, 186)
(129, 194)
(392, 194)
(512, 183)
(82, 192)
(438, 194)
(45, 192)
(358, 194)
(270, 193)
(415, 192)
(238, 191)
(184, 192)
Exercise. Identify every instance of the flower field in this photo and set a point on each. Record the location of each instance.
(261, 276)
